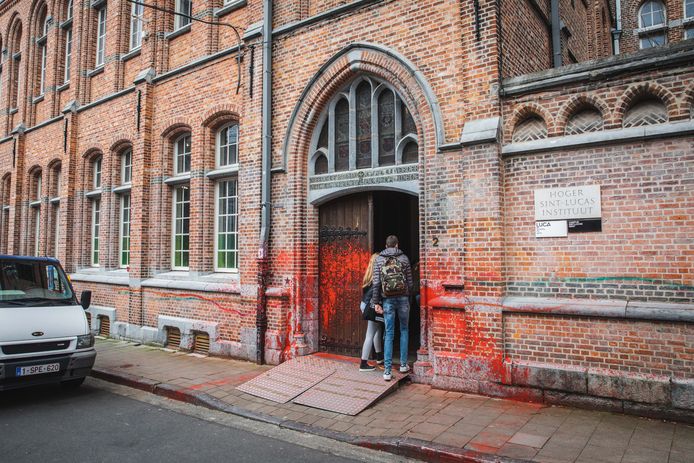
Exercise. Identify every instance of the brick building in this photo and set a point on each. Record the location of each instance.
(211, 207)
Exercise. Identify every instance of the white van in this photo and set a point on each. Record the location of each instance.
(44, 335)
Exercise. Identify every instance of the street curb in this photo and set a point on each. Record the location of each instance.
(407, 447)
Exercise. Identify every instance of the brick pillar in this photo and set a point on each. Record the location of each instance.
(17, 201)
(70, 225)
(139, 196)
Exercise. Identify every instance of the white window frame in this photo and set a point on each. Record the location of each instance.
(177, 153)
(37, 230)
(136, 12)
(100, 37)
(95, 227)
(68, 55)
(220, 145)
(39, 186)
(647, 2)
(180, 21)
(56, 232)
(96, 172)
(175, 218)
(124, 229)
(217, 188)
(126, 166)
(42, 77)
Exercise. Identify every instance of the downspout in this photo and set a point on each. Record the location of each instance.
(617, 32)
(261, 309)
(556, 35)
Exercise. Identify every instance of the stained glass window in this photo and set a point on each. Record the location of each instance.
(386, 128)
(342, 135)
(363, 125)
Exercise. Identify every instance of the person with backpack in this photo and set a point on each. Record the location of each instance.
(392, 286)
(374, 330)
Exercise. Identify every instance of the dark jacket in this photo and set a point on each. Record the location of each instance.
(377, 297)
(367, 293)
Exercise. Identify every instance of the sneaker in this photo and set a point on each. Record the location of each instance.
(364, 366)
(379, 358)
(404, 368)
(387, 375)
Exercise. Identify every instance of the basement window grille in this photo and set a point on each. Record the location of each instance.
(104, 326)
(173, 338)
(201, 344)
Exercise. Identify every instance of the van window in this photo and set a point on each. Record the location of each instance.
(33, 283)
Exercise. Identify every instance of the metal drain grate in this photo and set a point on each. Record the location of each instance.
(104, 326)
(201, 343)
(173, 338)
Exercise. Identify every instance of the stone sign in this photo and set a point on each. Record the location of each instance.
(580, 202)
(365, 177)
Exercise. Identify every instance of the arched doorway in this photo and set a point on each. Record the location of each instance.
(352, 228)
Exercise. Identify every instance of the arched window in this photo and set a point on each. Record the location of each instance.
(182, 154)
(227, 145)
(96, 172)
(15, 44)
(100, 36)
(42, 42)
(367, 125)
(54, 195)
(651, 16)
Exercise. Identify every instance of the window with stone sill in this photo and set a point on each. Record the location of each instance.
(182, 149)
(124, 232)
(181, 228)
(136, 14)
(689, 18)
(100, 37)
(366, 125)
(226, 245)
(67, 31)
(96, 223)
(183, 7)
(96, 173)
(651, 15)
(43, 44)
(126, 160)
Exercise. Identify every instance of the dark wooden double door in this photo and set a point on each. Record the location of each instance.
(351, 229)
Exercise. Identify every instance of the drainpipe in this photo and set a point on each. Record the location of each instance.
(617, 32)
(556, 35)
(261, 308)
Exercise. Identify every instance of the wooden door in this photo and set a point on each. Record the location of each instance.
(345, 248)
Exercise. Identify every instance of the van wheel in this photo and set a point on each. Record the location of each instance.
(72, 384)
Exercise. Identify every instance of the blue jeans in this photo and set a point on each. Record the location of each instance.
(401, 305)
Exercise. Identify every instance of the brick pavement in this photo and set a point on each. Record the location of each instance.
(453, 420)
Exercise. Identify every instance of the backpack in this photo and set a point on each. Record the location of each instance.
(393, 281)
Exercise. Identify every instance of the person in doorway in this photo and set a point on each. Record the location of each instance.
(374, 330)
(392, 286)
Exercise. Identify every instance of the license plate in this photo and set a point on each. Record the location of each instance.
(37, 369)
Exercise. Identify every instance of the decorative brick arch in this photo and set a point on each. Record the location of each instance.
(219, 115)
(579, 103)
(637, 92)
(525, 111)
(175, 127)
(355, 60)
(121, 142)
(687, 105)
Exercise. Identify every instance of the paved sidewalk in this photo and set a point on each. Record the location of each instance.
(416, 420)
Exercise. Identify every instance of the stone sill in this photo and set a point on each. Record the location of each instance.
(96, 275)
(131, 54)
(574, 307)
(178, 32)
(603, 137)
(229, 7)
(215, 282)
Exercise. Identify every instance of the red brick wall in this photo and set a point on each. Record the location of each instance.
(641, 347)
